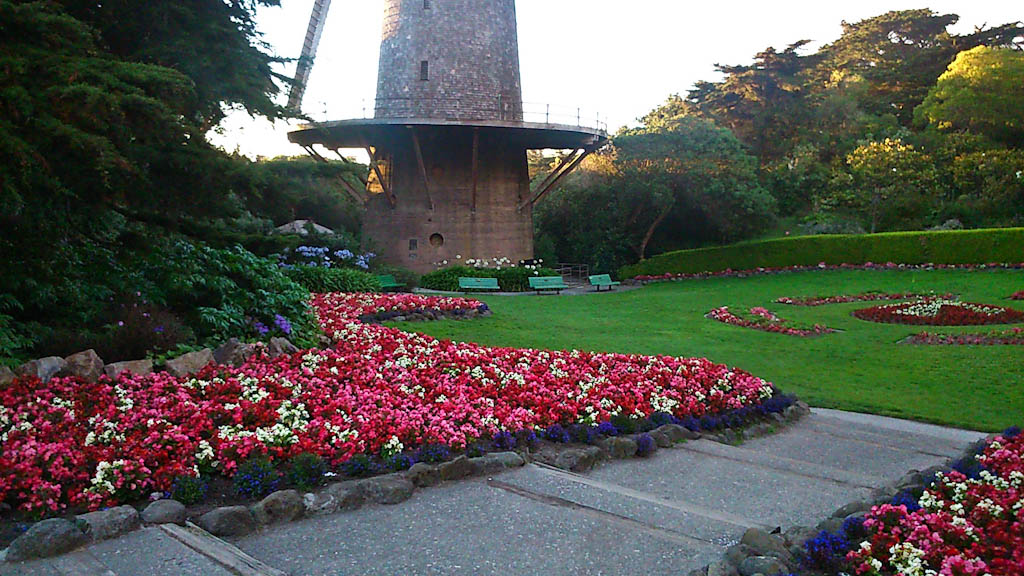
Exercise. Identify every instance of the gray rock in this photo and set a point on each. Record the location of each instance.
(139, 367)
(857, 507)
(349, 495)
(164, 512)
(578, 459)
(699, 572)
(233, 353)
(765, 544)
(110, 523)
(281, 506)
(619, 447)
(47, 538)
(758, 430)
(228, 521)
(85, 365)
(190, 363)
(6, 375)
(797, 535)
(677, 433)
(499, 461)
(460, 467)
(722, 569)
(910, 481)
(388, 489)
(832, 525)
(737, 553)
(762, 565)
(280, 347)
(43, 368)
(422, 475)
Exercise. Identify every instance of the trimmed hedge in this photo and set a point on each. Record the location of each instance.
(325, 280)
(1003, 245)
(510, 279)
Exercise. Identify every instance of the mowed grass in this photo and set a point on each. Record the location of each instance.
(862, 368)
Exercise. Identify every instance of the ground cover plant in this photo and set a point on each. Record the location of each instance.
(379, 392)
(860, 368)
(845, 298)
(940, 312)
(969, 522)
(1011, 337)
(760, 318)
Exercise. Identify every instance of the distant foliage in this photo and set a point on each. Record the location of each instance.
(509, 279)
(323, 280)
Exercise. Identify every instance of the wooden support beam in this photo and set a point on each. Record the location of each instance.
(556, 171)
(360, 198)
(423, 166)
(380, 177)
(476, 163)
(543, 191)
(312, 152)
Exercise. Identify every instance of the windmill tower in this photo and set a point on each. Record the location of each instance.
(448, 140)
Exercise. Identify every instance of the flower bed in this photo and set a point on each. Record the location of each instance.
(843, 299)
(963, 525)
(1018, 296)
(763, 319)
(377, 391)
(940, 312)
(728, 273)
(1011, 337)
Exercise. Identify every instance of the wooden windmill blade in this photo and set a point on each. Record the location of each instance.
(317, 21)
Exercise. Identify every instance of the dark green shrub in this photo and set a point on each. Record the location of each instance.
(256, 478)
(307, 471)
(510, 279)
(1001, 245)
(360, 466)
(624, 424)
(324, 280)
(189, 490)
(225, 293)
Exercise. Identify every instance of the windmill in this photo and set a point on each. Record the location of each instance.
(447, 144)
(317, 22)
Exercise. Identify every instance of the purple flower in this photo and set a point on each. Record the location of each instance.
(283, 324)
(261, 329)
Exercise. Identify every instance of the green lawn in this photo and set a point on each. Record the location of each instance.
(861, 368)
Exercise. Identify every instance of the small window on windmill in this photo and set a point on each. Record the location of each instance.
(426, 4)
(424, 71)
(414, 245)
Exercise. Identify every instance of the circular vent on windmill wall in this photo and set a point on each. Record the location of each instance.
(436, 240)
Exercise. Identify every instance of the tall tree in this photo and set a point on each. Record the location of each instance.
(981, 92)
(213, 42)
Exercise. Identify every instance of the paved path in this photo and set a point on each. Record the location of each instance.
(667, 515)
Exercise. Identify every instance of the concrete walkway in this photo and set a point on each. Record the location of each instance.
(667, 515)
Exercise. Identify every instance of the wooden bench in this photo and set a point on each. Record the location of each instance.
(603, 280)
(389, 283)
(478, 284)
(548, 283)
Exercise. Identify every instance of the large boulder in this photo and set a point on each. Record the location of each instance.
(106, 524)
(722, 569)
(233, 353)
(280, 347)
(422, 475)
(762, 565)
(460, 467)
(388, 489)
(499, 461)
(765, 544)
(47, 538)
(228, 521)
(189, 364)
(137, 367)
(43, 368)
(281, 506)
(578, 459)
(6, 375)
(164, 512)
(85, 365)
(619, 447)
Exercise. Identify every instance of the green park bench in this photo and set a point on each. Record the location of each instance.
(600, 281)
(478, 284)
(389, 283)
(548, 283)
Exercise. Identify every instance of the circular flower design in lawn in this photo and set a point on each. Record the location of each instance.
(846, 298)
(1018, 296)
(940, 312)
(767, 321)
(1011, 337)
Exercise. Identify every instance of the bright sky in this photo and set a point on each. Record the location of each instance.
(621, 59)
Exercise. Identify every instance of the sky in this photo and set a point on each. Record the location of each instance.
(608, 57)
